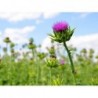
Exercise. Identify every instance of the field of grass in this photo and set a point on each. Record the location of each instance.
(47, 69)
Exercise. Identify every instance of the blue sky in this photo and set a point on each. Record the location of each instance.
(38, 25)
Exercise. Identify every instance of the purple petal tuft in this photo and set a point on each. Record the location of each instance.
(60, 26)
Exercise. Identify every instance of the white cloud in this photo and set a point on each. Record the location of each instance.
(38, 21)
(50, 14)
(84, 15)
(46, 43)
(17, 35)
(0, 33)
(19, 16)
(14, 17)
(85, 41)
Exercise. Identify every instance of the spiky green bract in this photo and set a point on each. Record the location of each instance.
(62, 36)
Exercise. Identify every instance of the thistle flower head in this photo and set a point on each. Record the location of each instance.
(62, 62)
(61, 32)
(52, 62)
(60, 26)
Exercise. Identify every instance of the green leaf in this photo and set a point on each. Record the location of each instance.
(70, 34)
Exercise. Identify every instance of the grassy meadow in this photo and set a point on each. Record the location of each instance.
(45, 68)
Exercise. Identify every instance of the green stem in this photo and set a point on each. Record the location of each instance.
(71, 61)
(50, 75)
(70, 58)
(38, 74)
(32, 53)
(7, 48)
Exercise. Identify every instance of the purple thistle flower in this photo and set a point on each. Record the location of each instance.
(62, 62)
(60, 26)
